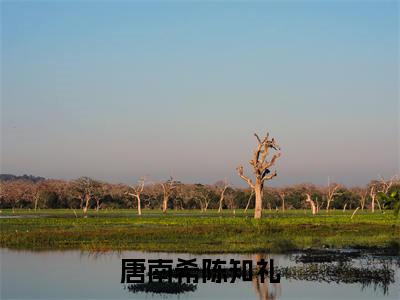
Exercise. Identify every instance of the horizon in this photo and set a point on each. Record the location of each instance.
(120, 90)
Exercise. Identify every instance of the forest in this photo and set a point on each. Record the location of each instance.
(30, 192)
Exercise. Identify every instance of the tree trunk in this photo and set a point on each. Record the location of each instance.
(248, 202)
(139, 207)
(354, 212)
(379, 204)
(85, 209)
(327, 205)
(313, 206)
(373, 204)
(165, 204)
(258, 191)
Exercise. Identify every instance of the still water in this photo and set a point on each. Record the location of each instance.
(83, 275)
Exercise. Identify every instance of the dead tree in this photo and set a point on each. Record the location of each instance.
(318, 206)
(354, 212)
(313, 206)
(282, 196)
(204, 196)
(379, 187)
(261, 171)
(386, 185)
(85, 188)
(331, 192)
(248, 201)
(363, 194)
(372, 194)
(223, 188)
(137, 191)
(168, 187)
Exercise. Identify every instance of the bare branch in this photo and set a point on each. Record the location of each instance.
(244, 177)
(269, 177)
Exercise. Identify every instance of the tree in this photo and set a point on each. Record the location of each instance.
(204, 196)
(362, 194)
(248, 201)
(85, 189)
(331, 192)
(282, 196)
(313, 206)
(168, 187)
(391, 201)
(261, 171)
(221, 187)
(137, 191)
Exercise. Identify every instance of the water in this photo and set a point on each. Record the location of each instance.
(82, 275)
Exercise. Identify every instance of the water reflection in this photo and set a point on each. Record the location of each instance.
(337, 267)
(161, 288)
(96, 275)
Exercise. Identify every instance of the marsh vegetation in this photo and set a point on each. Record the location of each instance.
(197, 232)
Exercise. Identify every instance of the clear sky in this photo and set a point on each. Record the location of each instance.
(117, 90)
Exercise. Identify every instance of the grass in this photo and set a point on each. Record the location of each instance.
(196, 232)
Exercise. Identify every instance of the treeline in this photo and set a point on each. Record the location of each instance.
(36, 192)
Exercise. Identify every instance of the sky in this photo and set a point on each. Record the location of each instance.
(116, 90)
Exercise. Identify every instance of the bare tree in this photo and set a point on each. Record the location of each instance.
(372, 194)
(331, 192)
(354, 212)
(313, 206)
(248, 201)
(137, 191)
(318, 206)
(363, 194)
(282, 196)
(222, 188)
(204, 196)
(102, 190)
(168, 187)
(85, 188)
(261, 171)
(386, 185)
(376, 187)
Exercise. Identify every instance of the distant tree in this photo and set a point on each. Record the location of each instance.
(362, 194)
(85, 189)
(282, 195)
(390, 198)
(136, 192)
(331, 192)
(391, 201)
(204, 195)
(312, 203)
(17, 193)
(168, 187)
(221, 187)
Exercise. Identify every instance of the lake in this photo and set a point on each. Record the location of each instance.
(82, 275)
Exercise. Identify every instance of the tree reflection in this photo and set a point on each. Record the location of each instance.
(161, 288)
(265, 290)
(369, 271)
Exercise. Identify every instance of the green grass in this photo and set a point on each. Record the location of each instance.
(196, 232)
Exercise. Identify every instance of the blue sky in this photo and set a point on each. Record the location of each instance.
(117, 90)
